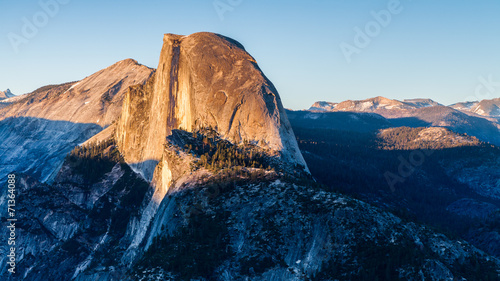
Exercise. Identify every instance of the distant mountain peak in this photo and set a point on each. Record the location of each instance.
(478, 118)
(422, 102)
(487, 108)
(373, 104)
(323, 106)
(6, 94)
(381, 99)
(369, 105)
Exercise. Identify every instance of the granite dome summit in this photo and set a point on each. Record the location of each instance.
(204, 80)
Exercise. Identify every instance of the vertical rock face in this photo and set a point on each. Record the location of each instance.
(204, 80)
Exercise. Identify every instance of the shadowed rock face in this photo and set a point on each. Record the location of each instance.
(203, 80)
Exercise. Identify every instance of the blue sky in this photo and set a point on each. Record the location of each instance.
(427, 49)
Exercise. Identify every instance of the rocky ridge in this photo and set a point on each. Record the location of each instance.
(489, 108)
(40, 128)
(476, 118)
